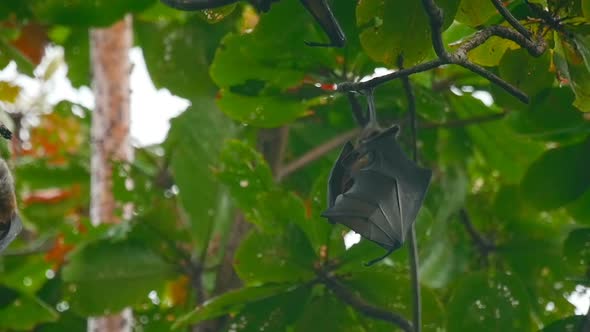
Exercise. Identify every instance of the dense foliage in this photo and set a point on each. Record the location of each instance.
(503, 235)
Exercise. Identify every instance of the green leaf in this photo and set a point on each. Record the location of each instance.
(231, 302)
(107, 276)
(25, 312)
(525, 72)
(178, 55)
(280, 257)
(577, 250)
(550, 116)
(28, 276)
(193, 154)
(275, 313)
(475, 12)
(558, 177)
(86, 13)
(261, 56)
(570, 324)
(586, 9)
(484, 302)
(325, 313)
(500, 147)
(261, 111)
(389, 288)
(573, 64)
(490, 54)
(77, 56)
(41, 174)
(391, 28)
(580, 208)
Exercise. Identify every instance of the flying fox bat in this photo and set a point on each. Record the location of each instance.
(376, 190)
(319, 9)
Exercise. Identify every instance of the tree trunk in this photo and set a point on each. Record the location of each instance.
(110, 136)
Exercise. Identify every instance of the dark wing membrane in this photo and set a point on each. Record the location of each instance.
(338, 175)
(324, 16)
(370, 209)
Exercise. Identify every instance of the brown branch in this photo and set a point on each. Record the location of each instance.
(459, 57)
(325, 148)
(511, 19)
(363, 306)
(483, 244)
(316, 153)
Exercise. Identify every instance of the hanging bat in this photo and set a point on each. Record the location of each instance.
(319, 9)
(10, 224)
(376, 190)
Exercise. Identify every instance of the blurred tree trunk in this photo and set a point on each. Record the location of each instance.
(110, 135)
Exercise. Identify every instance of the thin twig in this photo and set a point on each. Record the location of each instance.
(325, 148)
(459, 57)
(484, 245)
(413, 242)
(364, 307)
(511, 19)
(316, 153)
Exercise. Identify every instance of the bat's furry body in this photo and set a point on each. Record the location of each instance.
(386, 193)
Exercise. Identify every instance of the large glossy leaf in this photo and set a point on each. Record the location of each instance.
(527, 73)
(232, 302)
(391, 28)
(326, 313)
(573, 63)
(577, 250)
(86, 12)
(261, 111)
(484, 302)
(391, 289)
(178, 56)
(259, 55)
(570, 324)
(193, 153)
(502, 149)
(558, 177)
(275, 257)
(550, 116)
(475, 12)
(275, 313)
(107, 276)
(25, 312)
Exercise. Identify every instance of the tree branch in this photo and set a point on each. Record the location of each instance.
(325, 148)
(483, 244)
(459, 57)
(316, 153)
(511, 19)
(363, 306)
(413, 242)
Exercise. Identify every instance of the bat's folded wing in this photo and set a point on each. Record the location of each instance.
(13, 230)
(365, 218)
